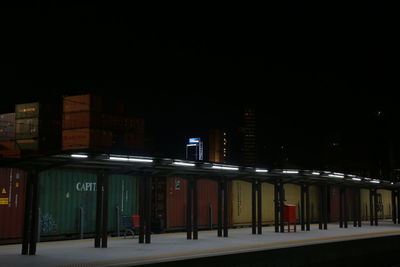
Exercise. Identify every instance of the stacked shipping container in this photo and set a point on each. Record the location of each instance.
(91, 122)
(37, 126)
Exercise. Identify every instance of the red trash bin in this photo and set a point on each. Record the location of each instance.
(289, 215)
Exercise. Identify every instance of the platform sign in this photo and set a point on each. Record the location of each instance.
(194, 140)
(194, 149)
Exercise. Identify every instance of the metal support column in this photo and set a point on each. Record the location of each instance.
(142, 200)
(325, 206)
(371, 206)
(27, 215)
(320, 206)
(219, 226)
(253, 207)
(355, 209)
(281, 206)
(302, 221)
(376, 207)
(398, 206)
(147, 234)
(276, 206)
(359, 206)
(189, 204)
(259, 207)
(308, 220)
(195, 211)
(99, 209)
(345, 208)
(225, 187)
(104, 233)
(394, 208)
(341, 208)
(35, 213)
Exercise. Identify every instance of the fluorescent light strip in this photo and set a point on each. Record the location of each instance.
(261, 170)
(290, 172)
(375, 181)
(131, 159)
(335, 176)
(225, 168)
(179, 163)
(356, 179)
(79, 156)
(315, 173)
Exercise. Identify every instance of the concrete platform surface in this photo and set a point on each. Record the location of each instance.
(171, 247)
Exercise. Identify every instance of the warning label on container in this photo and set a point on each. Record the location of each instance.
(3, 201)
(3, 191)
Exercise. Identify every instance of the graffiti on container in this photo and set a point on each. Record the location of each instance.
(47, 223)
(86, 186)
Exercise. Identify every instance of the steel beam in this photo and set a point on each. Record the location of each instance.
(104, 233)
(35, 213)
(189, 205)
(253, 207)
(195, 211)
(219, 226)
(276, 206)
(142, 200)
(27, 215)
(225, 187)
(259, 207)
(147, 236)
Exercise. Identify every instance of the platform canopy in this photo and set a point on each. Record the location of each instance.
(128, 164)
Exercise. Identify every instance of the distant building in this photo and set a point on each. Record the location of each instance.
(218, 146)
(249, 137)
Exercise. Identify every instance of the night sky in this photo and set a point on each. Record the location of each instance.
(315, 78)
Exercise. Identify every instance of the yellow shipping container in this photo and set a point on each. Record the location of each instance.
(384, 204)
(241, 202)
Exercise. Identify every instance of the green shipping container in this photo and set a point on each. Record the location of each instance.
(26, 128)
(64, 193)
(28, 110)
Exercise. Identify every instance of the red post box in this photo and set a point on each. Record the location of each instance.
(289, 215)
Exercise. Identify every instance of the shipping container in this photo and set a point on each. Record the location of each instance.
(81, 103)
(241, 202)
(334, 203)
(170, 202)
(27, 110)
(84, 119)
(384, 204)
(7, 126)
(65, 195)
(12, 203)
(27, 128)
(38, 126)
(86, 139)
(7, 145)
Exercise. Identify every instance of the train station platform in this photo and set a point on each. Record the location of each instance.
(174, 249)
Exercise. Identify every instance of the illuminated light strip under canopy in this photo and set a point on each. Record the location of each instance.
(261, 170)
(356, 179)
(315, 173)
(290, 171)
(131, 159)
(336, 175)
(227, 168)
(181, 163)
(375, 181)
(79, 156)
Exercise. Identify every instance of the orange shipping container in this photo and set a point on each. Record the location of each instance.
(176, 203)
(12, 203)
(80, 103)
(85, 139)
(83, 119)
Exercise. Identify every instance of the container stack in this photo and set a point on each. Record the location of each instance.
(99, 124)
(7, 133)
(37, 126)
(84, 124)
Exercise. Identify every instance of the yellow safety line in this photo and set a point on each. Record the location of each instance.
(55, 242)
(216, 250)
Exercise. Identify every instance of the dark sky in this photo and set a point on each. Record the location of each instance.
(302, 65)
